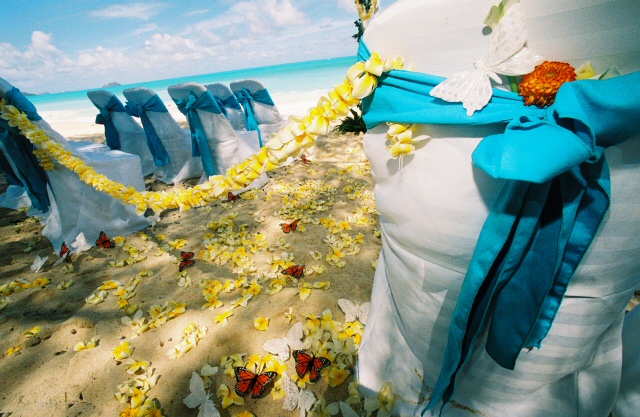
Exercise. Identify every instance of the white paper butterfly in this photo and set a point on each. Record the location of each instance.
(199, 398)
(38, 262)
(293, 340)
(354, 311)
(507, 55)
(81, 244)
(302, 399)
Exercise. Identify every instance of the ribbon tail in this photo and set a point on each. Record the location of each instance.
(111, 134)
(159, 153)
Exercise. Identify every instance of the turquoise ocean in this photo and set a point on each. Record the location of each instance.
(294, 87)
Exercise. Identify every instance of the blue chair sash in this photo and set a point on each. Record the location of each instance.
(200, 145)
(545, 217)
(154, 104)
(246, 99)
(30, 174)
(104, 118)
(7, 170)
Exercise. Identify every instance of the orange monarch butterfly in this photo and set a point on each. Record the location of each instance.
(289, 227)
(249, 382)
(309, 363)
(304, 159)
(232, 197)
(64, 250)
(104, 242)
(186, 260)
(296, 271)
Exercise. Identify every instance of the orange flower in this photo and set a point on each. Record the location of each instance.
(541, 86)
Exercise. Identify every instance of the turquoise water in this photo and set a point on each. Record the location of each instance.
(285, 78)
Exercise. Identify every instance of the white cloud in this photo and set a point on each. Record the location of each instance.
(348, 5)
(284, 13)
(196, 12)
(143, 11)
(145, 29)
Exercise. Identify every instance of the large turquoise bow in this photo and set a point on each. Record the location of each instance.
(246, 99)
(154, 104)
(104, 118)
(544, 219)
(7, 170)
(18, 148)
(200, 144)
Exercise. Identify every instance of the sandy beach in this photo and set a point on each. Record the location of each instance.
(46, 314)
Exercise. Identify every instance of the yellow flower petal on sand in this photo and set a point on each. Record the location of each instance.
(223, 317)
(228, 397)
(12, 351)
(261, 323)
(40, 282)
(337, 375)
(90, 344)
(244, 414)
(122, 351)
(135, 366)
(305, 292)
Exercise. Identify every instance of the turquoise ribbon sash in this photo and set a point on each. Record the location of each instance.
(200, 145)
(544, 219)
(30, 174)
(104, 118)
(246, 99)
(154, 104)
(7, 170)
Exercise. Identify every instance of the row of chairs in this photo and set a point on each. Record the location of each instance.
(210, 146)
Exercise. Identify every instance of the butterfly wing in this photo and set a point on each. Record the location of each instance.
(278, 347)
(299, 271)
(104, 242)
(208, 409)
(303, 362)
(185, 264)
(198, 395)
(186, 255)
(261, 382)
(286, 227)
(292, 394)
(472, 88)
(244, 380)
(349, 309)
(306, 402)
(294, 337)
(294, 224)
(507, 53)
(363, 312)
(317, 365)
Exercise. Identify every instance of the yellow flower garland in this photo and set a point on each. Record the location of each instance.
(290, 141)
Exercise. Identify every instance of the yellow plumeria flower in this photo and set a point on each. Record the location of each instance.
(244, 414)
(337, 375)
(135, 366)
(228, 397)
(33, 332)
(261, 323)
(63, 285)
(242, 301)
(122, 351)
(12, 351)
(90, 344)
(118, 240)
(288, 315)
(212, 302)
(304, 291)
(223, 317)
(383, 403)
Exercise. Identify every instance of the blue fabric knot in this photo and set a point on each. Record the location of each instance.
(199, 142)
(545, 217)
(221, 104)
(5, 167)
(104, 118)
(246, 99)
(154, 104)
(18, 148)
(19, 101)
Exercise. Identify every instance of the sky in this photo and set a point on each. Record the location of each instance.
(67, 45)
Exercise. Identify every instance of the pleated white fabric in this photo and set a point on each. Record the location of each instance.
(432, 212)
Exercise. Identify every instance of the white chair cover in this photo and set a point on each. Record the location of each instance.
(432, 212)
(235, 116)
(77, 207)
(176, 141)
(226, 147)
(132, 137)
(268, 117)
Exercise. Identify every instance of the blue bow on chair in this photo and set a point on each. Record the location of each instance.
(154, 104)
(545, 217)
(246, 99)
(104, 118)
(31, 175)
(200, 145)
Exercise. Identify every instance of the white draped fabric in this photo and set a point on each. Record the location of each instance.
(432, 212)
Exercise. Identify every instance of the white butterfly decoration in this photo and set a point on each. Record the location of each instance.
(81, 244)
(354, 311)
(199, 398)
(302, 399)
(293, 340)
(38, 262)
(507, 56)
